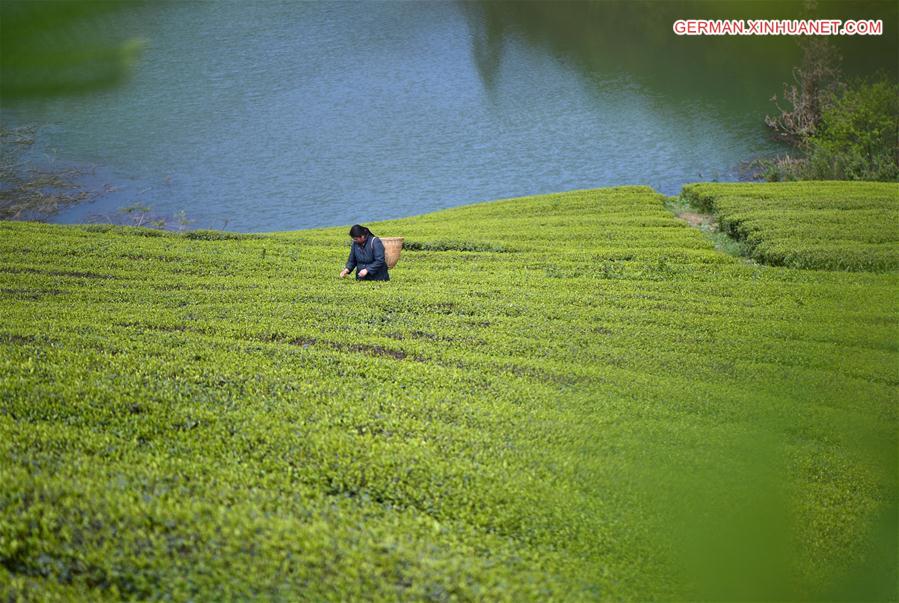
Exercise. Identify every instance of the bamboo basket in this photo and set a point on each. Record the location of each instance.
(392, 248)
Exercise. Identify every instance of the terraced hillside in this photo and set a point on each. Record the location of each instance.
(818, 225)
(570, 396)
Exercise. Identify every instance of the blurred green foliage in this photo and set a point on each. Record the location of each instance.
(587, 402)
(858, 137)
(51, 47)
(841, 131)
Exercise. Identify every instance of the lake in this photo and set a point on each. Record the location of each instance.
(263, 116)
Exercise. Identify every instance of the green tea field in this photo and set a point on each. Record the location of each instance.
(826, 225)
(564, 397)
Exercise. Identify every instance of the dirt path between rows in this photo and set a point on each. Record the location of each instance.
(699, 220)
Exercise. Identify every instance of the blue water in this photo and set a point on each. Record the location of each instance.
(264, 116)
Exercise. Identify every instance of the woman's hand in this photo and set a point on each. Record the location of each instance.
(363, 273)
(344, 272)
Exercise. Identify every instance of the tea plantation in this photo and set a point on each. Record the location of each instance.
(826, 225)
(562, 397)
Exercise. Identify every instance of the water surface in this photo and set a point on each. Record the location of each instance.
(266, 116)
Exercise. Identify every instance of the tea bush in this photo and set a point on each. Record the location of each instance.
(813, 225)
(562, 410)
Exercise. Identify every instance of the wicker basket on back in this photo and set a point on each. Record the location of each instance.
(392, 248)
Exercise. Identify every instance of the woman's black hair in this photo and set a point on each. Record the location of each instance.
(358, 230)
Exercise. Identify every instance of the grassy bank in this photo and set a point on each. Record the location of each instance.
(568, 396)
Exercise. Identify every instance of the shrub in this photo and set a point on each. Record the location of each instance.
(840, 132)
(859, 136)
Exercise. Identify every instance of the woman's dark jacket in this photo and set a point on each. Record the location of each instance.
(369, 255)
